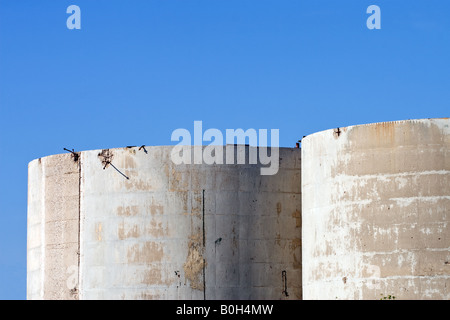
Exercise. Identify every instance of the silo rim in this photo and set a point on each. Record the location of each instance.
(375, 124)
(127, 148)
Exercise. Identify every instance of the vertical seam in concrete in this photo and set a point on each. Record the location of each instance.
(42, 291)
(79, 224)
(203, 216)
(204, 247)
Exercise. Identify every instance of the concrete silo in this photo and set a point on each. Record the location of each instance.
(130, 224)
(376, 211)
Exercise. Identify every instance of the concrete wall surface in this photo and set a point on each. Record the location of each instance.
(361, 212)
(376, 211)
(128, 223)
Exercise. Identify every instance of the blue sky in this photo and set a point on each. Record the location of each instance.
(139, 69)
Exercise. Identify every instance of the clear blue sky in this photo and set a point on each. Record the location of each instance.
(139, 69)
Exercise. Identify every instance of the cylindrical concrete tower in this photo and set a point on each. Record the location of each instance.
(131, 224)
(376, 211)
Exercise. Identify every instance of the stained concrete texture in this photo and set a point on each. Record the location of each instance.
(376, 211)
(365, 215)
(130, 224)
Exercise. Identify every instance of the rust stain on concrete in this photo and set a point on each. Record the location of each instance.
(128, 162)
(137, 184)
(278, 208)
(297, 264)
(195, 262)
(295, 243)
(154, 276)
(385, 132)
(298, 218)
(125, 232)
(180, 180)
(127, 211)
(145, 253)
(156, 209)
(132, 150)
(154, 228)
(197, 204)
(278, 239)
(130, 211)
(98, 231)
(148, 296)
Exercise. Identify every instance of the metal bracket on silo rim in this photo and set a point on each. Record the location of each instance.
(337, 132)
(106, 157)
(75, 155)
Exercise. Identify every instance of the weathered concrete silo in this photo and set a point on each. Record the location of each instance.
(130, 224)
(376, 211)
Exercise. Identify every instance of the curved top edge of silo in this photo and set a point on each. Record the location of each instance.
(69, 153)
(443, 123)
